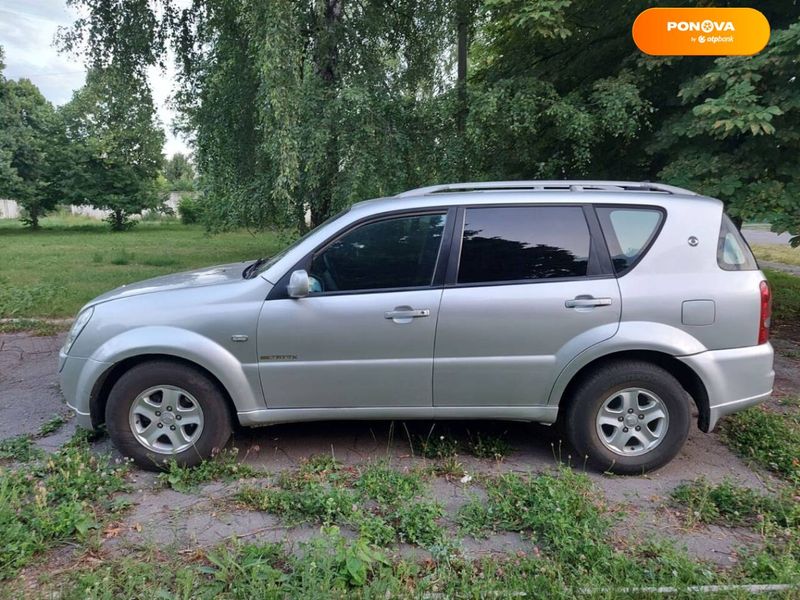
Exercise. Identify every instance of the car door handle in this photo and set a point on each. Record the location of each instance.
(407, 313)
(587, 302)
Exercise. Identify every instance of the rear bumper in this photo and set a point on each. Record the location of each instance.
(734, 379)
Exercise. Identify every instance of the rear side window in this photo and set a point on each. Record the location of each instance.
(504, 244)
(629, 231)
(733, 253)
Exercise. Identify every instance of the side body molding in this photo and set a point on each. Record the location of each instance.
(240, 380)
(631, 335)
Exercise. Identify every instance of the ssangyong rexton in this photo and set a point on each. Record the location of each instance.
(610, 307)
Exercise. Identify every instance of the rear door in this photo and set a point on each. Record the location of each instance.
(528, 288)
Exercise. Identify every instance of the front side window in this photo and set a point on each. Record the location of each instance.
(400, 252)
(629, 232)
(504, 244)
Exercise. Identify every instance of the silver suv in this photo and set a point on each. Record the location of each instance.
(612, 308)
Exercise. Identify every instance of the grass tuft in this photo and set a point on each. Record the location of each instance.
(20, 448)
(732, 505)
(224, 466)
(59, 497)
(770, 439)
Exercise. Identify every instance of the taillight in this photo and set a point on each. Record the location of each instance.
(766, 312)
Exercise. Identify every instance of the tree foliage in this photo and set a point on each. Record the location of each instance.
(309, 105)
(115, 146)
(29, 148)
(179, 173)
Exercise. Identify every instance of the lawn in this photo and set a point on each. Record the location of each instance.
(53, 272)
(780, 254)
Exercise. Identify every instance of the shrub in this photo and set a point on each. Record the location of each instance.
(189, 209)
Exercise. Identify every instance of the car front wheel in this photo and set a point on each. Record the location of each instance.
(628, 417)
(164, 411)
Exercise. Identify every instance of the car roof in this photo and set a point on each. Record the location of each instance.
(527, 192)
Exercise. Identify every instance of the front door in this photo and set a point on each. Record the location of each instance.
(530, 294)
(364, 335)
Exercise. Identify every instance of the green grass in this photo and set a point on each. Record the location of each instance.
(224, 466)
(770, 439)
(445, 446)
(20, 448)
(785, 298)
(51, 426)
(732, 505)
(57, 498)
(36, 327)
(383, 505)
(781, 254)
(53, 272)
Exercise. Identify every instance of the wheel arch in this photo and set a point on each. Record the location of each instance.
(686, 376)
(105, 382)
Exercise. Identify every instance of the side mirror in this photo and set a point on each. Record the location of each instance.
(298, 284)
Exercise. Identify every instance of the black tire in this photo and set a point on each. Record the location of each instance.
(216, 415)
(587, 400)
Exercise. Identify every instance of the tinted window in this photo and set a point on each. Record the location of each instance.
(394, 253)
(526, 242)
(733, 253)
(628, 232)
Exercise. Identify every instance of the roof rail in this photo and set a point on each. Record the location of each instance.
(549, 185)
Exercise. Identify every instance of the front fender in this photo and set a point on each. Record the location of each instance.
(631, 335)
(239, 380)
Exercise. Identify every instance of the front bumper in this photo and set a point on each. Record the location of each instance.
(78, 377)
(735, 378)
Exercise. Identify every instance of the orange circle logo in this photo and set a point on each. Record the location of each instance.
(701, 31)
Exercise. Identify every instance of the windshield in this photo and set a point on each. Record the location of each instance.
(274, 259)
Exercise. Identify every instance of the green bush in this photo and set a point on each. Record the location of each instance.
(189, 209)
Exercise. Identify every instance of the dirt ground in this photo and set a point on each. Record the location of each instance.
(30, 396)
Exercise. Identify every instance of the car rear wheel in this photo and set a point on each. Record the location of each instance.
(628, 417)
(164, 411)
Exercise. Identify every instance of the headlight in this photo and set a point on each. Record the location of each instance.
(76, 328)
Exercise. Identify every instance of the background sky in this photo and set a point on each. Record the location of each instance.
(27, 31)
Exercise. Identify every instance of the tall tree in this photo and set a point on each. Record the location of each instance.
(116, 143)
(29, 147)
(179, 173)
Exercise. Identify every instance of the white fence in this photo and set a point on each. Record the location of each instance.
(9, 209)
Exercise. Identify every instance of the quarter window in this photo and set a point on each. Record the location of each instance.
(628, 232)
(733, 253)
(524, 242)
(392, 253)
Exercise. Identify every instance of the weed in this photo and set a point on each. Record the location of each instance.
(488, 446)
(19, 448)
(384, 485)
(84, 437)
(383, 505)
(159, 261)
(449, 467)
(62, 496)
(51, 426)
(730, 504)
(770, 439)
(436, 446)
(224, 466)
(19, 300)
(417, 522)
(36, 327)
(121, 257)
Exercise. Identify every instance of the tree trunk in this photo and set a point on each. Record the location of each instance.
(327, 60)
(118, 222)
(462, 110)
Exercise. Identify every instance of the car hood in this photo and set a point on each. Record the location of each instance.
(218, 275)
